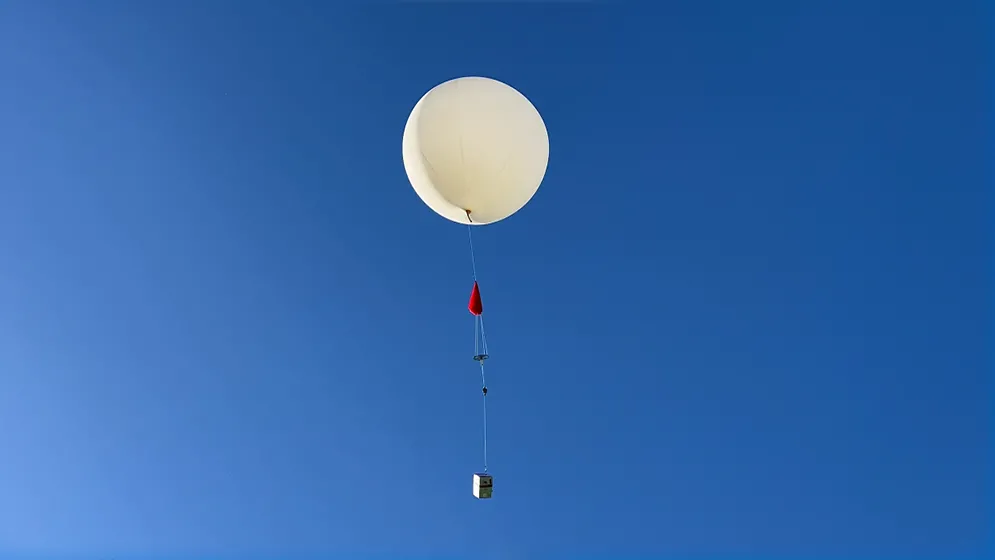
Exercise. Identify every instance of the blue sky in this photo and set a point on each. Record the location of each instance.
(746, 313)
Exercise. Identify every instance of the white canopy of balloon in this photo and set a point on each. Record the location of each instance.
(475, 150)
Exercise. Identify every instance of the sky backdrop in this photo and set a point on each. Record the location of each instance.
(748, 312)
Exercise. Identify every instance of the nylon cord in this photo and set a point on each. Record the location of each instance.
(473, 259)
(479, 339)
(483, 335)
(483, 381)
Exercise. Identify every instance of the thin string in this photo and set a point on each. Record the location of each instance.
(473, 259)
(479, 340)
(484, 382)
(481, 351)
(483, 335)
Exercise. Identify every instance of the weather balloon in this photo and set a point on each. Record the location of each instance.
(475, 150)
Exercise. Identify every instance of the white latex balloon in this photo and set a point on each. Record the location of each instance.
(475, 145)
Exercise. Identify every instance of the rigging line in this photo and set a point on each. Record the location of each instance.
(483, 380)
(469, 234)
(483, 336)
(485, 413)
(476, 336)
(479, 341)
(480, 354)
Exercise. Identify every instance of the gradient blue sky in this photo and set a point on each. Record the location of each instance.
(746, 313)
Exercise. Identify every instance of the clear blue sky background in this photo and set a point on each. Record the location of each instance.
(746, 313)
